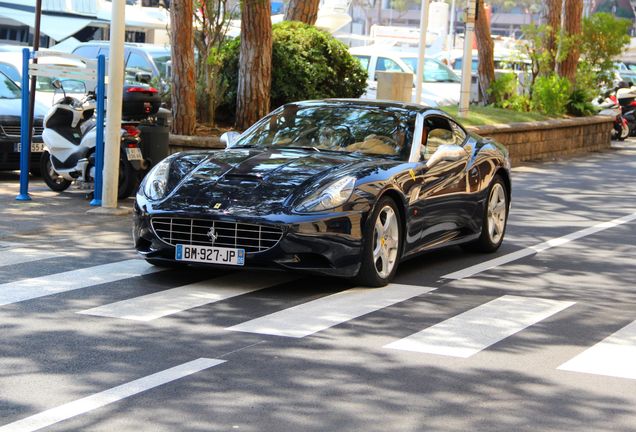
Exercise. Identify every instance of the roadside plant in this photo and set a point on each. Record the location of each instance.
(504, 92)
(307, 63)
(550, 94)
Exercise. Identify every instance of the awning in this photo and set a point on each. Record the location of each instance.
(54, 26)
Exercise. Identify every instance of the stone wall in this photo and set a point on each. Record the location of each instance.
(550, 139)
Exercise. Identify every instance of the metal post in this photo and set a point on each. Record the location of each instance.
(420, 59)
(36, 48)
(451, 28)
(113, 104)
(467, 62)
(99, 135)
(25, 144)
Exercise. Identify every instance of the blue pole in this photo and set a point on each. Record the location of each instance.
(25, 145)
(99, 134)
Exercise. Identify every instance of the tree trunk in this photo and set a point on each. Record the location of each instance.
(572, 28)
(183, 80)
(255, 63)
(553, 19)
(485, 48)
(302, 10)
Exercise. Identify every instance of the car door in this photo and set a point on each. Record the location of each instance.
(438, 205)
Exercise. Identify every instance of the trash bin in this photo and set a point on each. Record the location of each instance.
(155, 140)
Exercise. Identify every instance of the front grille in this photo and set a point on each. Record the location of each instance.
(15, 131)
(251, 237)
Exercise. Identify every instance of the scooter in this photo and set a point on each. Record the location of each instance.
(69, 141)
(626, 96)
(610, 106)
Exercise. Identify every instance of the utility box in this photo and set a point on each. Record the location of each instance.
(395, 86)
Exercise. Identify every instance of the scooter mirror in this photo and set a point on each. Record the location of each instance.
(230, 138)
(56, 83)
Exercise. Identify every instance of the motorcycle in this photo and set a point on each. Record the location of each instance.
(626, 96)
(69, 141)
(610, 106)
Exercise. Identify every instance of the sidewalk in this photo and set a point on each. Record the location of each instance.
(54, 215)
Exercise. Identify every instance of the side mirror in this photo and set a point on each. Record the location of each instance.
(230, 138)
(446, 153)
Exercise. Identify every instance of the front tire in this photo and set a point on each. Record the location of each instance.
(495, 218)
(382, 245)
(53, 180)
(625, 132)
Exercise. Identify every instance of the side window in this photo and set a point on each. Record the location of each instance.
(437, 131)
(384, 64)
(87, 51)
(364, 61)
(388, 65)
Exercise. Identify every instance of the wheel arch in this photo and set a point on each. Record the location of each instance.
(506, 178)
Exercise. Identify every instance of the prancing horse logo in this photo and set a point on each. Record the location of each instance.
(212, 235)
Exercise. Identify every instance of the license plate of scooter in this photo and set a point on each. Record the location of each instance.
(210, 255)
(134, 154)
(35, 147)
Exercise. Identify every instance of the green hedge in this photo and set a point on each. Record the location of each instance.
(307, 63)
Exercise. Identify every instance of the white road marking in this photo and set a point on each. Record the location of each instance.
(470, 332)
(325, 312)
(18, 254)
(559, 241)
(614, 356)
(27, 289)
(168, 302)
(106, 397)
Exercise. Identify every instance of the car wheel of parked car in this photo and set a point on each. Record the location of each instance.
(52, 179)
(495, 218)
(382, 244)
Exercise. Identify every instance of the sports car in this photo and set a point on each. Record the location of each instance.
(346, 188)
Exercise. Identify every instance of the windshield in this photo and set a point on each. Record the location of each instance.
(8, 89)
(434, 70)
(366, 130)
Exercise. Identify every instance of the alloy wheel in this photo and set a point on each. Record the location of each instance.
(385, 241)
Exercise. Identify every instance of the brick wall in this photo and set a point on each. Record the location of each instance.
(551, 139)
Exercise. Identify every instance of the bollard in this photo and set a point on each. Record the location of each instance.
(99, 133)
(25, 146)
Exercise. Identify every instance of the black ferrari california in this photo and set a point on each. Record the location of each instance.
(345, 188)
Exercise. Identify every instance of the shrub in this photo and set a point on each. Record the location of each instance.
(550, 94)
(504, 92)
(579, 104)
(307, 63)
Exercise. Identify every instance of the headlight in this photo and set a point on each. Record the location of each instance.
(330, 196)
(156, 180)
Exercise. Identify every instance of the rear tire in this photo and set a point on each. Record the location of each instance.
(53, 180)
(495, 218)
(127, 179)
(381, 245)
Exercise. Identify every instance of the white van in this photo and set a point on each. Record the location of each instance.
(441, 86)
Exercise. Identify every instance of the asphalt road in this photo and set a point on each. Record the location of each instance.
(541, 338)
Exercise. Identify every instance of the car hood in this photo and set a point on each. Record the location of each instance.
(11, 110)
(255, 182)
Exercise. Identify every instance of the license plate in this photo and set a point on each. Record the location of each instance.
(35, 147)
(134, 154)
(210, 255)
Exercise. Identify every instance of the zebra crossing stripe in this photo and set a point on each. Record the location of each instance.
(172, 301)
(12, 254)
(106, 397)
(614, 356)
(28, 289)
(325, 312)
(470, 332)
(555, 242)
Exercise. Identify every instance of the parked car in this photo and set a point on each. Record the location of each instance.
(441, 86)
(45, 93)
(347, 188)
(10, 114)
(139, 59)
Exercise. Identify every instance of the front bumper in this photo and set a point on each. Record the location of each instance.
(323, 244)
(10, 159)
